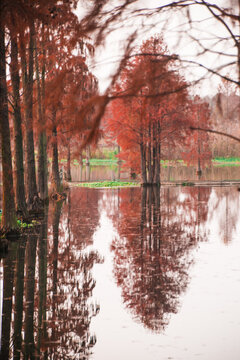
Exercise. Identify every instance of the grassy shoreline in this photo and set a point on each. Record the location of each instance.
(108, 184)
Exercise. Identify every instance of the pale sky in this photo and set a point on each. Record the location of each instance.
(176, 34)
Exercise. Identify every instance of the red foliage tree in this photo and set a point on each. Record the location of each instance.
(150, 109)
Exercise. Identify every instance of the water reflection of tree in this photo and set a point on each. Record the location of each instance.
(225, 203)
(51, 307)
(70, 279)
(152, 253)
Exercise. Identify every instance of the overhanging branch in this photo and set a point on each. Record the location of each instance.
(215, 132)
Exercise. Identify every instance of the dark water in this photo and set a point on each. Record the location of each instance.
(127, 274)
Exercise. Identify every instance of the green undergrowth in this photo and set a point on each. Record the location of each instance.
(188, 183)
(108, 184)
(22, 224)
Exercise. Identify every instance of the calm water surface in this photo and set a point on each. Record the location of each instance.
(127, 274)
(168, 173)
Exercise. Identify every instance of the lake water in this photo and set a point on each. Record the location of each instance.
(168, 173)
(127, 274)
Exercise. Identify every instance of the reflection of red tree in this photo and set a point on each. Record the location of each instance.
(152, 252)
(70, 282)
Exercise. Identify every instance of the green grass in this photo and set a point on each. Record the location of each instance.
(229, 162)
(108, 184)
(227, 159)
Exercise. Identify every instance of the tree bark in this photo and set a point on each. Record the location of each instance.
(55, 167)
(69, 178)
(17, 126)
(42, 138)
(143, 163)
(8, 206)
(27, 75)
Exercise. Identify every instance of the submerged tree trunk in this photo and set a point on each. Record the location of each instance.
(8, 206)
(17, 126)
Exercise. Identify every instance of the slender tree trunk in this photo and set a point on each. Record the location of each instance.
(80, 159)
(28, 105)
(87, 155)
(158, 155)
(149, 159)
(17, 126)
(69, 178)
(8, 206)
(143, 163)
(154, 152)
(42, 137)
(55, 167)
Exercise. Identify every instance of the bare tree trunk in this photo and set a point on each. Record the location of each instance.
(69, 178)
(55, 167)
(88, 155)
(158, 154)
(42, 139)
(28, 104)
(8, 206)
(143, 163)
(17, 126)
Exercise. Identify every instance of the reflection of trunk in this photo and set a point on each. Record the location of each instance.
(143, 221)
(42, 138)
(30, 287)
(42, 245)
(8, 278)
(17, 126)
(55, 168)
(18, 308)
(8, 205)
(55, 228)
(69, 178)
